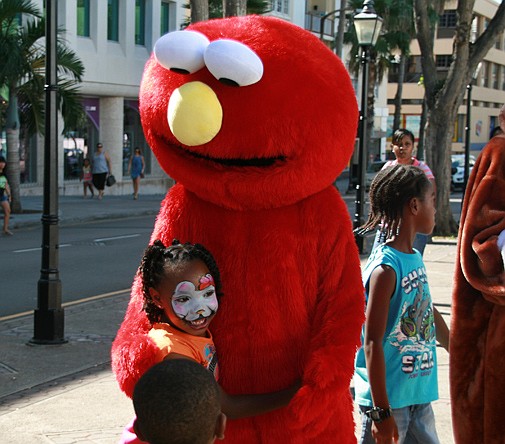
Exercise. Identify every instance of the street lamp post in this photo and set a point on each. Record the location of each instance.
(467, 127)
(368, 25)
(49, 315)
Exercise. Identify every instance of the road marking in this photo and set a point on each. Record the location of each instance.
(26, 250)
(103, 239)
(70, 303)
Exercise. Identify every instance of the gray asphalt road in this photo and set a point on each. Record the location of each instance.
(94, 258)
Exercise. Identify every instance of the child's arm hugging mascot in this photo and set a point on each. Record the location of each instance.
(477, 343)
(255, 118)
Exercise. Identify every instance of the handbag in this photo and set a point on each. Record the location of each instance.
(111, 180)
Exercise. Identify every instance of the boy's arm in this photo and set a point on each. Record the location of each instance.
(381, 288)
(441, 329)
(242, 406)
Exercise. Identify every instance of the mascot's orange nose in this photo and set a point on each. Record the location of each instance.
(194, 114)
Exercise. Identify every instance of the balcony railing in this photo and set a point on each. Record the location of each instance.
(313, 23)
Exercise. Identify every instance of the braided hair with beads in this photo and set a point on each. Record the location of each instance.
(157, 262)
(391, 189)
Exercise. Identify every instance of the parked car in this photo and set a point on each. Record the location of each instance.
(458, 169)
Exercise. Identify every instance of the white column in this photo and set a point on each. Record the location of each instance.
(111, 131)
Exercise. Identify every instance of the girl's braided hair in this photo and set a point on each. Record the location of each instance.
(391, 189)
(158, 260)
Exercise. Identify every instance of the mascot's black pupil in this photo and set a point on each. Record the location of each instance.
(179, 70)
(228, 82)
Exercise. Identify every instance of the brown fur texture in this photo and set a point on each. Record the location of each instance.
(477, 343)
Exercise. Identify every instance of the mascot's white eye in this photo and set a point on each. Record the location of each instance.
(181, 51)
(233, 63)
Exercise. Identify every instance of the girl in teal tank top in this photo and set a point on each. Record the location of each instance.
(396, 368)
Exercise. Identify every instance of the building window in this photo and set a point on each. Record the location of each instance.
(448, 19)
(140, 16)
(280, 6)
(166, 12)
(497, 45)
(485, 74)
(495, 76)
(443, 62)
(113, 20)
(474, 33)
(83, 18)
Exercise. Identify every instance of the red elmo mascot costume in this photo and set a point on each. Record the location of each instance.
(477, 350)
(255, 118)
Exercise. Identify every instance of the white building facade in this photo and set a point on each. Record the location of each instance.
(113, 39)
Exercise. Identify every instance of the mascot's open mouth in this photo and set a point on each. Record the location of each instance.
(261, 162)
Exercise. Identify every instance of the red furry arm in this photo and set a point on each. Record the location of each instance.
(133, 352)
(335, 337)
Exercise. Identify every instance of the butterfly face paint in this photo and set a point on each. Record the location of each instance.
(192, 304)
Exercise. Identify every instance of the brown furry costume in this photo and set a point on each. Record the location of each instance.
(477, 350)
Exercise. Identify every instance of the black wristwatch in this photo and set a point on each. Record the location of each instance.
(377, 414)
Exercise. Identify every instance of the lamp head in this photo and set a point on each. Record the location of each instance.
(367, 24)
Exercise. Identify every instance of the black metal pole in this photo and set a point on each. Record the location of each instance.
(467, 136)
(360, 187)
(49, 315)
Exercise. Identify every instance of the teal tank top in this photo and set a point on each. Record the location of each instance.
(409, 341)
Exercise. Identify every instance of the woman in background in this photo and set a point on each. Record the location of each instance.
(136, 167)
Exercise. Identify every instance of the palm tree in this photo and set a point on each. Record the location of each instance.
(22, 50)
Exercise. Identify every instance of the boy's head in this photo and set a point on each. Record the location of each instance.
(177, 402)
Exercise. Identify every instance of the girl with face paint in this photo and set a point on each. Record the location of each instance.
(181, 287)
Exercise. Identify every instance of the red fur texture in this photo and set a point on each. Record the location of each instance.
(477, 345)
(293, 303)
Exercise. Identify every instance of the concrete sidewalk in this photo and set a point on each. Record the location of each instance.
(75, 209)
(66, 394)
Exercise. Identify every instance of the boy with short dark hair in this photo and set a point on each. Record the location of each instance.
(177, 402)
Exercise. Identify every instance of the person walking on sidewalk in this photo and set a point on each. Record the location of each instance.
(402, 145)
(136, 167)
(5, 197)
(87, 178)
(100, 168)
(396, 368)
